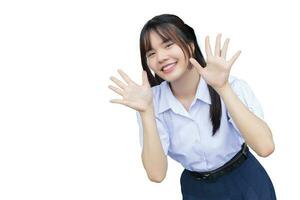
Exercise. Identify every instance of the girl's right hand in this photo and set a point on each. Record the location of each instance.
(138, 97)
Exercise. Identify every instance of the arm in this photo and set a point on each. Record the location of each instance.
(140, 98)
(154, 160)
(216, 73)
(254, 130)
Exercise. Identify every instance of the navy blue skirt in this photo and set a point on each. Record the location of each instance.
(249, 181)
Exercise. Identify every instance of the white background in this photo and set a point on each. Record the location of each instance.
(61, 138)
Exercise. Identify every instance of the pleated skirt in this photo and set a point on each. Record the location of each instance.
(249, 181)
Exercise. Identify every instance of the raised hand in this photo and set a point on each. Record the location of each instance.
(137, 97)
(217, 70)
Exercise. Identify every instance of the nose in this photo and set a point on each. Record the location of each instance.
(161, 56)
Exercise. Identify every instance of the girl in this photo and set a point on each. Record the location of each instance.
(193, 111)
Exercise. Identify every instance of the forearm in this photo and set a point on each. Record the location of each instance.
(254, 130)
(153, 157)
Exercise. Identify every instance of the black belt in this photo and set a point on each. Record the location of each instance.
(233, 163)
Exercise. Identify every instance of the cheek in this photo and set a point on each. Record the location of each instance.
(178, 52)
(151, 64)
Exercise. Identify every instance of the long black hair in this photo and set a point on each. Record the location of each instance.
(171, 27)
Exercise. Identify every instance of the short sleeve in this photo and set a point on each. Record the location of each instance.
(162, 131)
(246, 95)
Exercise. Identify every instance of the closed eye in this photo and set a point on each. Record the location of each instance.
(150, 54)
(169, 44)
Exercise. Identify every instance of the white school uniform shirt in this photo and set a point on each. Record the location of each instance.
(186, 136)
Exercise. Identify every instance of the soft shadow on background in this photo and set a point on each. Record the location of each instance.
(60, 138)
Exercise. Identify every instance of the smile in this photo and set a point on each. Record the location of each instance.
(169, 68)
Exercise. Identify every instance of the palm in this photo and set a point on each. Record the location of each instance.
(216, 72)
(217, 69)
(137, 97)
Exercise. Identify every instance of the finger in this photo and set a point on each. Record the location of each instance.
(125, 76)
(224, 49)
(123, 102)
(197, 65)
(145, 78)
(117, 90)
(218, 44)
(207, 47)
(118, 82)
(120, 101)
(234, 57)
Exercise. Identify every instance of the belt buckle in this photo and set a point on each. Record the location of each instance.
(244, 152)
(204, 177)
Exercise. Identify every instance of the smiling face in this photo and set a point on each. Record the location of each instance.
(166, 58)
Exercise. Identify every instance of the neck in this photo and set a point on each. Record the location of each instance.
(186, 86)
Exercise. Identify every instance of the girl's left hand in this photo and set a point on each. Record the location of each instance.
(217, 69)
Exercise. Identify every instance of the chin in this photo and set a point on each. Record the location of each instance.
(173, 77)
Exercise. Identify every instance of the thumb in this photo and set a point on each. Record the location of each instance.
(145, 78)
(197, 65)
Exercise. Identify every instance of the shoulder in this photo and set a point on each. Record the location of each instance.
(240, 87)
(158, 89)
(243, 90)
(237, 82)
(159, 95)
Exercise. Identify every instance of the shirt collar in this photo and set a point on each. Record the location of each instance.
(169, 101)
